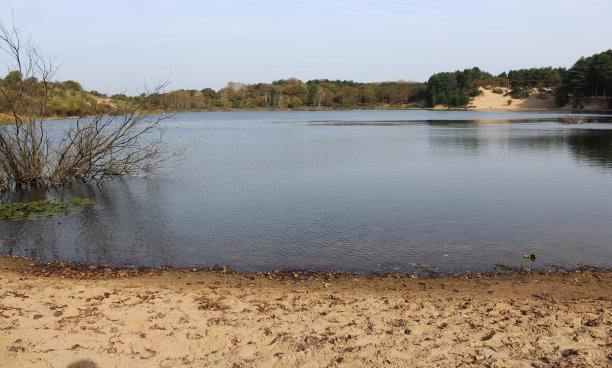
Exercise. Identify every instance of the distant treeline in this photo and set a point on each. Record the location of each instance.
(292, 93)
(589, 77)
(456, 88)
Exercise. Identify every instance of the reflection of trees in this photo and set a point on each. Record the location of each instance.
(593, 146)
(18, 239)
(129, 230)
(468, 139)
(454, 137)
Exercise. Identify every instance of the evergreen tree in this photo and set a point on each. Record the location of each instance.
(312, 93)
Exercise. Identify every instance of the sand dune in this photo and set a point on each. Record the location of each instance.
(200, 319)
(538, 100)
(495, 101)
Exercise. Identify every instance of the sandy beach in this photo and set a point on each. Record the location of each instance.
(75, 318)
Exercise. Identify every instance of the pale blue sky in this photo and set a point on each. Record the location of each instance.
(112, 45)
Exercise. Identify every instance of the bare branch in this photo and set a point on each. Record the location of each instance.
(96, 146)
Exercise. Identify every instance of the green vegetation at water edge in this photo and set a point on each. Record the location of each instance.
(43, 209)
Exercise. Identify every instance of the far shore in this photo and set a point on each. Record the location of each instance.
(488, 101)
(590, 109)
(61, 315)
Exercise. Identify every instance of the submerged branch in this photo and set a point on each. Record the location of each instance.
(572, 118)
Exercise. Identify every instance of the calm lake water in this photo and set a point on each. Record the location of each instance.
(353, 191)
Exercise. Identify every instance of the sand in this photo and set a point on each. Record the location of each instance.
(196, 319)
(538, 100)
(495, 101)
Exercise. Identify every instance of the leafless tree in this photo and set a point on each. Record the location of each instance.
(35, 153)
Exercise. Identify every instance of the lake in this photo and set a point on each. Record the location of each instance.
(452, 191)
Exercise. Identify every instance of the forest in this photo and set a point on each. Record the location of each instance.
(589, 77)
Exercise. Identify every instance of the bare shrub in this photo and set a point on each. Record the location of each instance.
(573, 118)
(36, 153)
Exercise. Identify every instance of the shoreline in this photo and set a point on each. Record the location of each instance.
(379, 108)
(382, 108)
(179, 317)
(553, 110)
(95, 270)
